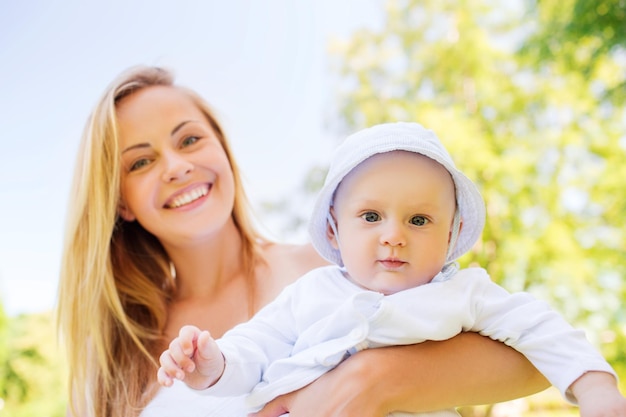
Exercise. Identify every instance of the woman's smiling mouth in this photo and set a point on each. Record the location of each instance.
(189, 196)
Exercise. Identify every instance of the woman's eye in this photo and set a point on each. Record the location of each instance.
(370, 216)
(419, 220)
(189, 140)
(139, 164)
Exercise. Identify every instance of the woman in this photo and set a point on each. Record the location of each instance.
(159, 235)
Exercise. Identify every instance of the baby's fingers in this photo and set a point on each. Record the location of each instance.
(177, 357)
(187, 338)
(207, 349)
(169, 370)
(209, 359)
(164, 378)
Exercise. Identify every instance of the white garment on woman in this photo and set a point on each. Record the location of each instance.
(182, 401)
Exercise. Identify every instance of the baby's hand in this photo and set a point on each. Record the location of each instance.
(193, 357)
(598, 396)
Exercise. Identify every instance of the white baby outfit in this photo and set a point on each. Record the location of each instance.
(321, 319)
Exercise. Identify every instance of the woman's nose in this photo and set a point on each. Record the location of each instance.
(393, 234)
(176, 167)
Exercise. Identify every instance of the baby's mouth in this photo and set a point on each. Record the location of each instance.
(392, 263)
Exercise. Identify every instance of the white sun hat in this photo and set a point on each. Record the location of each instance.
(411, 137)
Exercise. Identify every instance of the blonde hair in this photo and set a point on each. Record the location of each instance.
(116, 279)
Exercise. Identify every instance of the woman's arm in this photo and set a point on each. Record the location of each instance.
(468, 369)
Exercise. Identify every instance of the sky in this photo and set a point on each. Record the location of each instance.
(263, 65)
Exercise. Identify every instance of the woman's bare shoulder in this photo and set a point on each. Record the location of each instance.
(293, 260)
(284, 264)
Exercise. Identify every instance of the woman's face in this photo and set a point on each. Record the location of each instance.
(176, 180)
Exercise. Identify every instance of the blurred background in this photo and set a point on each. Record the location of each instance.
(528, 96)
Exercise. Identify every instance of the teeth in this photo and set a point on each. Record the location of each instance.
(189, 197)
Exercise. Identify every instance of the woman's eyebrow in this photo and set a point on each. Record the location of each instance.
(147, 145)
(181, 124)
(136, 146)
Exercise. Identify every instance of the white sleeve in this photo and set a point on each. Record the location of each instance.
(250, 347)
(558, 350)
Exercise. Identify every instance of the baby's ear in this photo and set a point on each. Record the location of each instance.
(330, 231)
(460, 228)
(124, 212)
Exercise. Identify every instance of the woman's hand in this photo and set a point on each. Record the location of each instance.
(468, 369)
(348, 390)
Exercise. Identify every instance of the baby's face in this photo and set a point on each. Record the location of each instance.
(394, 216)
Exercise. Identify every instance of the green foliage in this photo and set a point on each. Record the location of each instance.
(583, 36)
(31, 367)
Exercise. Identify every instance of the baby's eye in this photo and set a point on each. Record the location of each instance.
(189, 140)
(370, 216)
(419, 220)
(140, 163)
